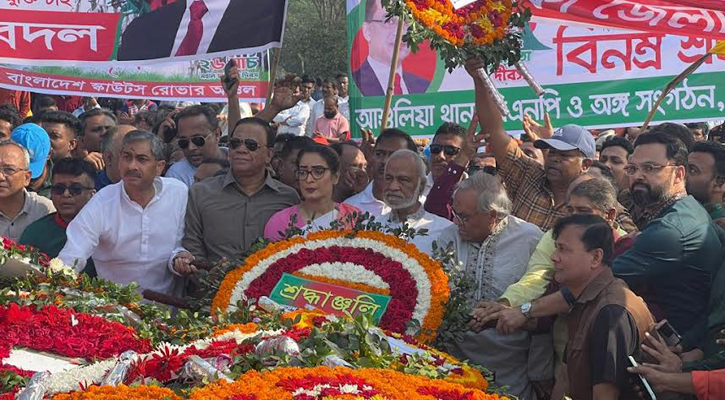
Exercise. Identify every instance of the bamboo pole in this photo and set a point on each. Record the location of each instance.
(273, 73)
(391, 77)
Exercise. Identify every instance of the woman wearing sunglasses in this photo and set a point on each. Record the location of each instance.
(318, 170)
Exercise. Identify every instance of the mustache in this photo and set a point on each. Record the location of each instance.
(132, 174)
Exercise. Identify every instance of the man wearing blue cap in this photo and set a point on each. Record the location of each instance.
(18, 165)
(39, 146)
(538, 192)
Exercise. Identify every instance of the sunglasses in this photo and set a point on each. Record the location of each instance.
(199, 141)
(448, 150)
(75, 189)
(250, 144)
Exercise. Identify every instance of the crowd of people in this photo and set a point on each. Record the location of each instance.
(584, 248)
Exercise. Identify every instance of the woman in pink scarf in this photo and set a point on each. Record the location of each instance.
(318, 170)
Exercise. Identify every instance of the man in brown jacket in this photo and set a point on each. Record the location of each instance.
(607, 323)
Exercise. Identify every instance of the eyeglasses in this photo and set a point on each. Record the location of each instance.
(316, 172)
(75, 189)
(461, 220)
(448, 150)
(10, 171)
(199, 141)
(647, 169)
(250, 144)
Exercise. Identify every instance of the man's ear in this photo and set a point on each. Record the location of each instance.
(586, 163)
(160, 165)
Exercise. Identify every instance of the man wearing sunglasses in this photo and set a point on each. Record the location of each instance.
(227, 213)
(198, 137)
(73, 185)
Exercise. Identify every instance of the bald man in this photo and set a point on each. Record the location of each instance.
(111, 148)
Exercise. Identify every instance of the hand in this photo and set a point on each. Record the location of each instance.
(356, 179)
(168, 124)
(284, 98)
(656, 379)
(96, 159)
(234, 76)
(471, 144)
(721, 341)
(692, 355)
(656, 347)
(473, 65)
(368, 144)
(182, 263)
(510, 320)
(537, 131)
(481, 311)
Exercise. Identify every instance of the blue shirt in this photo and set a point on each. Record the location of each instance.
(102, 179)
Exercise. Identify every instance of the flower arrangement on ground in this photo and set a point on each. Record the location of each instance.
(369, 261)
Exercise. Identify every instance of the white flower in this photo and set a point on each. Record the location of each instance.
(58, 266)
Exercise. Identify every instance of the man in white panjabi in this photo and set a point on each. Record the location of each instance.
(493, 249)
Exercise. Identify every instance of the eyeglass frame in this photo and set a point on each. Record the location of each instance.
(191, 140)
(646, 168)
(443, 147)
(243, 142)
(3, 171)
(308, 172)
(69, 189)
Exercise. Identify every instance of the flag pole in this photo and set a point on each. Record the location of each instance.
(273, 73)
(391, 76)
(671, 85)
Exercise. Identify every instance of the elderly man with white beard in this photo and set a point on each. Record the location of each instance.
(405, 180)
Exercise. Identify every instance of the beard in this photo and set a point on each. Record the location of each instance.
(644, 194)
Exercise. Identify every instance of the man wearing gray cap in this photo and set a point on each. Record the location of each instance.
(538, 192)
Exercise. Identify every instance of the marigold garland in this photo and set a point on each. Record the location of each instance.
(242, 328)
(293, 383)
(120, 392)
(438, 281)
(479, 23)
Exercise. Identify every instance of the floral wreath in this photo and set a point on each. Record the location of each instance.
(367, 260)
(293, 383)
(487, 29)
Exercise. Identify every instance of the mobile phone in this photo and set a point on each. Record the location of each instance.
(228, 81)
(669, 334)
(648, 392)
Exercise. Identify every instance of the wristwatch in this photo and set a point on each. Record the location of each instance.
(526, 310)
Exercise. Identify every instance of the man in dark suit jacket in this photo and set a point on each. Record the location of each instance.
(372, 76)
(245, 24)
(369, 85)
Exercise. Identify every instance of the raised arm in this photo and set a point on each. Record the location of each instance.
(488, 114)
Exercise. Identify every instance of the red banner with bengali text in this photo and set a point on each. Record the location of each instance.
(696, 18)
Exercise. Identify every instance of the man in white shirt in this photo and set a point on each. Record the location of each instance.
(371, 199)
(198, 137)
(405, 178)
(134, 227)
(293, 120)
(307, 87)
(493, 248)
